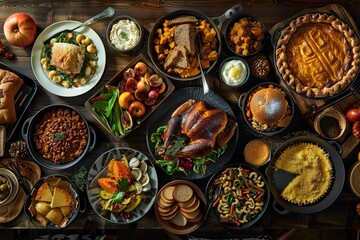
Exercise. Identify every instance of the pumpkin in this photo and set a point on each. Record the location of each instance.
(120, 171)
(108, 184)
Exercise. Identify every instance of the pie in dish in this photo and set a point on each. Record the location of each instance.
(318, 55)
(313, 168)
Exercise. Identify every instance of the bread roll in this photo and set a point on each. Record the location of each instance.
(10, 84)
(268, 106)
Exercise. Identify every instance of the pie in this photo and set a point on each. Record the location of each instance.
(318, 55)
(313, 170)
(62, 198)
(44, 193)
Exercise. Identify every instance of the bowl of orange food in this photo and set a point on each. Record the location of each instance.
(122, 185)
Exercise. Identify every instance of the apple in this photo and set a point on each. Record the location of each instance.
(152, 98)
(129, 73)
(20, 29)
(131, 84)
(125, 99)
(353, 113)
(155, 80)
(143, 86)
(137, 109)
(141, 68)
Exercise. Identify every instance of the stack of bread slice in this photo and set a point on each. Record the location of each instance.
(53, 201)
(180, 205)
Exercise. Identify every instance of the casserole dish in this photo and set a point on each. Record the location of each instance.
(29, 130)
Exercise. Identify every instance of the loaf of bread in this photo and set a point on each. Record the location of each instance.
(10, 84)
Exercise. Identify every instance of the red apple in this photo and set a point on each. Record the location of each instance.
(137, 109)
(143, 86)
(353, 114)
(20, 29)
(152, 98)
(141, 68)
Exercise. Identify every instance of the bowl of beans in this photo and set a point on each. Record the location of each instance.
(58, 136)
(239, 195)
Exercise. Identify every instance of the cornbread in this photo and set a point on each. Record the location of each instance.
(312, 166)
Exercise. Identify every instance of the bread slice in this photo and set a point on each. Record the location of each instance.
(167, 193)
(44, 193)
(188, 203)
(183, 192)
(193, 208)
(179, 220)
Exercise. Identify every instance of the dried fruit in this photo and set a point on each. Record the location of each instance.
(356, 130)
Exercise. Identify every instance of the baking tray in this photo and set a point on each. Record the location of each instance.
(23, 98)
(115, 82)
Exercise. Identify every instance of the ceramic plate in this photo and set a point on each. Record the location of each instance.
(43, 78)
(162, 115)
(99, 169)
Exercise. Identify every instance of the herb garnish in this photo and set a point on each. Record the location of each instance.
(124, 36)
(57, 136)
(122, 186)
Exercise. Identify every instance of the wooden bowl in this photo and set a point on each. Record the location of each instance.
(190, 227)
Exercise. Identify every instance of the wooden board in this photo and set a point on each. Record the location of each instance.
(32, 172)
(305, 104)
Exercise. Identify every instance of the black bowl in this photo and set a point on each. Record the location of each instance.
(266, 199)
(230, 46)
(79, 208)
(172, 15)
(29, 128)
(133, 49)
(244, 98)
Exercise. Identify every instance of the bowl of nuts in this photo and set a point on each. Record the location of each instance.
(245, 36)
(9, 186)
(58, 136)
(267, 108)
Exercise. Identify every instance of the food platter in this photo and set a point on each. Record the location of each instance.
(161, 117)
(43, 79)
(98, 169)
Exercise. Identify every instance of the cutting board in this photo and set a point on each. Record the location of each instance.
(32, 172)
(305, 104)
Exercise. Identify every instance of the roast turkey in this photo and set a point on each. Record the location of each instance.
(204, 128)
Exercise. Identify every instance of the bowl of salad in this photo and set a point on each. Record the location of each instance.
(122, 185)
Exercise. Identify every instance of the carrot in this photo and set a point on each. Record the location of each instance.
(232, 206)
(216, 202)
(255, 186)
(258, 198)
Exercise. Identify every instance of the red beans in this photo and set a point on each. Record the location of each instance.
(61, 135)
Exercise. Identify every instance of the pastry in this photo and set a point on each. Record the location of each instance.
(318, 55)
(68, 58)
(313, 168)
(10, 84)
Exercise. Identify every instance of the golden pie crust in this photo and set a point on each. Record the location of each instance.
(318, 55)
(313, 168)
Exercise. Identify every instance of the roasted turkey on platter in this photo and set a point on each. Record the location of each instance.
(203, 127)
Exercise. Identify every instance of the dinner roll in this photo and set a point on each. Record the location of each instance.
(268, 106)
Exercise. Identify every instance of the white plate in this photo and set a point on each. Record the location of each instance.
(43, 78)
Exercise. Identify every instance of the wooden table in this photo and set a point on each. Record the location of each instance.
(340, 215)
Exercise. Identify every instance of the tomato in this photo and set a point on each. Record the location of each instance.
(108, 184)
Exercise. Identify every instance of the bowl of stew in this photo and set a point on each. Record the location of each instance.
(58, 136)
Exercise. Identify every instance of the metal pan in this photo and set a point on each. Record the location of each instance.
(216, 23)
(279, 179)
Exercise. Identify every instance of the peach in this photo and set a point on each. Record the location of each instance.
(125, 99)
(141, 68)
(143, 86)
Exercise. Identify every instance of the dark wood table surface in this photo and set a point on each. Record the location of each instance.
(340, 215)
